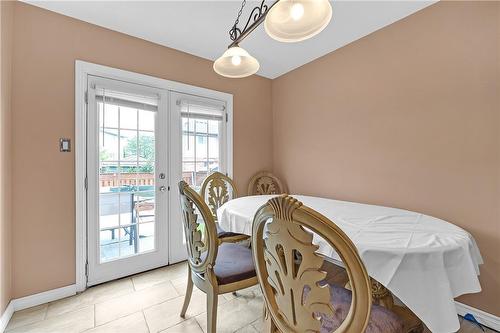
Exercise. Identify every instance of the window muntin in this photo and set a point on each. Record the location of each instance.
(203, 141)
(127, 159)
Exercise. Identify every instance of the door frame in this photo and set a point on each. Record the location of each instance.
(82, 70)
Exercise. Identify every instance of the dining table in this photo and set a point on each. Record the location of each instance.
(424, 261)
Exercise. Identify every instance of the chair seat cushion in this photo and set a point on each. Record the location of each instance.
(234, 263)
(221, 233)
(382, 320)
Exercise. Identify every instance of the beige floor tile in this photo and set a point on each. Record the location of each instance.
(91, 296)
(237, 313)
(151, 278)
(229, 296)
(254, 289)
(167, 314)
(71, 322)
(127, 304)
(247, 329)
(180, 284)
(155, 307)
(134, 323)
(27, 316)
(467, 327)
(259, 324)
(187, 326)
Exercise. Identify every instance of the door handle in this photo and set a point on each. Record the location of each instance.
(163, 188)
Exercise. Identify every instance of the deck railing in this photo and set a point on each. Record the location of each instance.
(137, 179)
(116, 180)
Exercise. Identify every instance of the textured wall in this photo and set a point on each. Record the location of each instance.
(45, 50)
(409, 117)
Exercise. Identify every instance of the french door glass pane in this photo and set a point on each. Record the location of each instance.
(126, 181)
(200, 148)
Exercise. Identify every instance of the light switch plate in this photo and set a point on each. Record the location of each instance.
(64, 145)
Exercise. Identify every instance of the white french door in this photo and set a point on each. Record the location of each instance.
(128, 197)
(137, 136)
(203, 145)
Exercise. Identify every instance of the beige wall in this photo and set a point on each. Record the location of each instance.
(407, 117)
(6, 21)
(45, 50)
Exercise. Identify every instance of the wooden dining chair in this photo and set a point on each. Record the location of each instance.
(265, 183)
(296, 292)
(215, 267)
(216, 190)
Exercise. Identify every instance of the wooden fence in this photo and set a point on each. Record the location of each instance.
(113, 180)
(137, 179)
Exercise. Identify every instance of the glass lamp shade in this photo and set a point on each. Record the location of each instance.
(297, 20)
(236, 63)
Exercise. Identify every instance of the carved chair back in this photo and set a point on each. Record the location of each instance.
(265, 183)
(199, 229)
(216, 190)
(289, 268)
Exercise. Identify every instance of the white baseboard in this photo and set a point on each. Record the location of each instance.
(44, 297)
(484, 318)
(34, 300)
(5, 318)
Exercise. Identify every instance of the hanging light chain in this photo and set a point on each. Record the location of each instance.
(240, 12)
(235, 31)
(255, 18)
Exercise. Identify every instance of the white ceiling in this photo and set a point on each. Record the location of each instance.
(201, 27)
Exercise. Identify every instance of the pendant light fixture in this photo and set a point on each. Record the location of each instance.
(285, 21)
(297, 20)
(236, 63)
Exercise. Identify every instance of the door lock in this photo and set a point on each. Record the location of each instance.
(163, 188)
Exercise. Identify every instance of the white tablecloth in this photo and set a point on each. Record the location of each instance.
(424, 261)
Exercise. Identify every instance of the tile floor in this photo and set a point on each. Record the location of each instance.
(146, 303)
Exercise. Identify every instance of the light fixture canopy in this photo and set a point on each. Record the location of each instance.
(297, 20)
(236, 63)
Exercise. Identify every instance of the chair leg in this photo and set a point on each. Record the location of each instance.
(187, 297)
(212, 300)
(268, 324)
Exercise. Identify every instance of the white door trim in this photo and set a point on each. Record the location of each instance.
(80, 144)
(82, 70)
